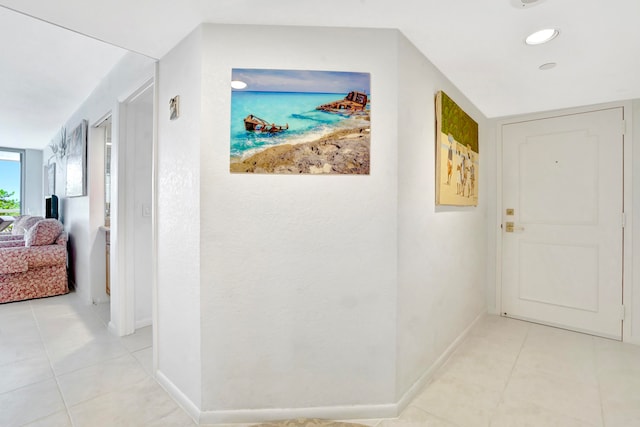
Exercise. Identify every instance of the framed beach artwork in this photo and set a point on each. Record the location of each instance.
(77, 161)
(457, 154)
(300, 122)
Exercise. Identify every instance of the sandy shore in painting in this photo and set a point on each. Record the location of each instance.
(345, 151)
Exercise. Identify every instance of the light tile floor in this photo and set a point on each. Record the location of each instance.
(59, 366)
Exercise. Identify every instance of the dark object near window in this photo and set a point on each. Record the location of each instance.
(51, 207)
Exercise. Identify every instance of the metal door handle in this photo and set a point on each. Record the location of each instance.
(510, 227)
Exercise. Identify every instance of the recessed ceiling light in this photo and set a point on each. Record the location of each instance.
(238, 84)
(542, 36)
(547, 66)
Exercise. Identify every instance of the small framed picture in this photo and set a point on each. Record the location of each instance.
(174, 107)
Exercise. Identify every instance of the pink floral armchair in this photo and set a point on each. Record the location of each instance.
(36, 266)
(20, 227)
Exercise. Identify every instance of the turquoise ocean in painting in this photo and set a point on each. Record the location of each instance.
(292, 108)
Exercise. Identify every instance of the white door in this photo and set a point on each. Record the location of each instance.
(563, 195)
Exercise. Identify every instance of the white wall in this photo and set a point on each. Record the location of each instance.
(298, 272)
(271, 283)
(178, 215)
(442, 249)
(83, 215)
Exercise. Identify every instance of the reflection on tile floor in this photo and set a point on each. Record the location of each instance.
(59, 366)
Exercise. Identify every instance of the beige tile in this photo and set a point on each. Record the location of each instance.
(415, 417)
(14, 307)
(522, 414)
(59, 419)
(624, 413)
(30, 403)
(24, 372)
(82, 355)
(104, 377)
(71, 329)
(620, 384)
(458, 402)
(614, 355)
(559, 342)
(177, 418)
(570, 398)
(498, 328)
(20, 347)
(572, 365)
(18, 329)
(61, 305)
(142, 338)
(134, 405)
(145, 358)
(477, 368)
(506, 350)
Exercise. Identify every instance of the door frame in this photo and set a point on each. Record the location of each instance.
(122, 289)
(627, 258)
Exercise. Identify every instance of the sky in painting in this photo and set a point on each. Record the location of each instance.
(259, 80)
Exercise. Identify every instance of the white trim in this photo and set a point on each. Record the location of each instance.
(426, 377)
(137, 89)
(101, 120)
(181, 399)
(627, 274)
(122, 214)
(263, 415)
(498, 219)
(154, 222)
(628, 334)
(325, 412)
(353, 412)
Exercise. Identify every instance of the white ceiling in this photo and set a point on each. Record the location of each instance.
(478, 44)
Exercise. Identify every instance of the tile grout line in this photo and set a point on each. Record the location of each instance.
(55, 375)
(595, 366)
(506, 384)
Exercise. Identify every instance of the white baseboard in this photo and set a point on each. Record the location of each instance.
(181, 399)
(327, 412)
(356, 412)
(143, 323)
(417, 387)
(262, 415)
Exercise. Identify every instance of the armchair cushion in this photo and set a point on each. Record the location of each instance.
(11, 243)
(44, 232)
(24, 223)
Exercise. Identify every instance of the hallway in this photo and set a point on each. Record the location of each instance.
(59, 366)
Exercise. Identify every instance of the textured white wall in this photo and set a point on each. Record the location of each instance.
(178, 214)
(298, 272)
(441, 249)
(273, 283)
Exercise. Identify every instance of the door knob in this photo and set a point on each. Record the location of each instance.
(510, 227)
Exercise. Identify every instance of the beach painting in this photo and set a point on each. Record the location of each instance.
(300, 122)
(457, 154)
